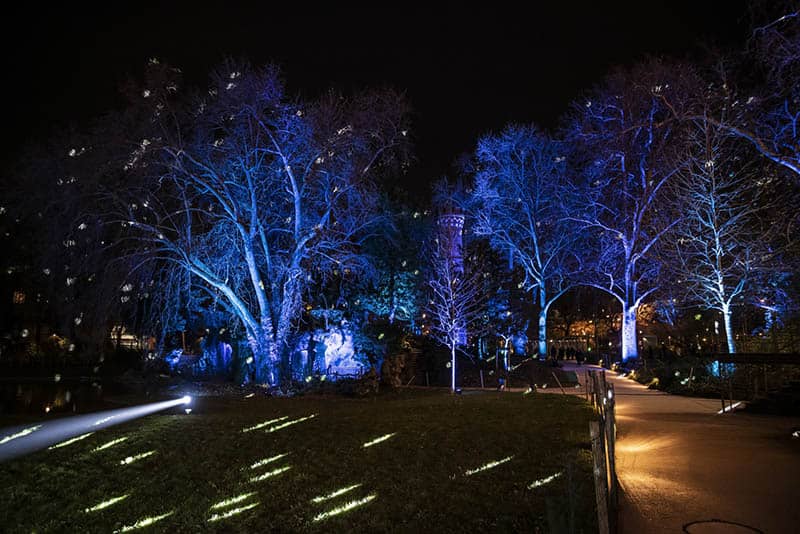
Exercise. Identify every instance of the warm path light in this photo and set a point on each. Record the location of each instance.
(19, 441)
(146, 522)
(378, 440)
(333, 495)
(265, 461)
(344, 508)
(265, 423)
(232, 500)
(110, 444)
(542, 481)
(290, 423)
(488, 466)
(270, 474)
(234, 511)
(106, 504)
(70, 441)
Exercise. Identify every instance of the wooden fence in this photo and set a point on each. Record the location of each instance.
(603, 434)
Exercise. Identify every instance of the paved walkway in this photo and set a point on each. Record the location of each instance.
(679, 462)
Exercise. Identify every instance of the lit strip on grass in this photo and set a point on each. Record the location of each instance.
(344, 508)
(146, 522)
(488, 466)
(290, 423)
(104, 420)
(270, 474)
(378, 440)
(20, 434)
(234, 511)
(130, 459)
(333, 495)
(106, 504)
(69, 441)
(265, 461)
(232, 500)
(542, 481)
(729, 408)
(265, 423)
(110, 444)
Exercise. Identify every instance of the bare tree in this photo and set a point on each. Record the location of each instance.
(257, 195)
(456, 300)
(518, 198)
(621, 135)
(724, 240)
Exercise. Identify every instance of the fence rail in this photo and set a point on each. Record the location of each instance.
(603, 433)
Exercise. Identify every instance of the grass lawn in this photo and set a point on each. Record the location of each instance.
(414, 481)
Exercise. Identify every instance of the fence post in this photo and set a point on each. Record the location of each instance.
(600, 490)
(610, 428)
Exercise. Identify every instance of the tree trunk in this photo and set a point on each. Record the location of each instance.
(265, 354)
(629, 345)
(542, 326)
(726, 316)
(453, 366)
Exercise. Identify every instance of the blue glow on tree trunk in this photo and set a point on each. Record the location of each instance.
(726, 316)
(543, 305)
(629, 346)
(453, 366)
(543, 334)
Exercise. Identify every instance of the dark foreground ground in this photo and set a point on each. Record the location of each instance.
(286, 475)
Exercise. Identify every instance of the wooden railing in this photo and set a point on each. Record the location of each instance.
(603, 434)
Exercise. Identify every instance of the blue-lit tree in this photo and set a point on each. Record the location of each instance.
(769, 115)
(725, 243)
(456, 300)
(518, 202)
(257, 195)
(622, 138)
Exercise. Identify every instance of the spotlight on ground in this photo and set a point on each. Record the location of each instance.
(18, 441)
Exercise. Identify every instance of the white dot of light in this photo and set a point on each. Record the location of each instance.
(334, 494)
(344, 508)
(265, 423)
(542, 481)
(234, 511)
(232, 500)
(290, 423)
(70, 441)
(270, 474)
(110, 444)
(186, 399)
(250, 395)
(488, 466)
(106, 504)
(378, 440)
(130, 459)
(20, 434)
(265, 461)
(146, 522)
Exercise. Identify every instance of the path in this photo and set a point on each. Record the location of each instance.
(679, 462)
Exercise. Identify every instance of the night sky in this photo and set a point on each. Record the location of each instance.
(466, 71)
